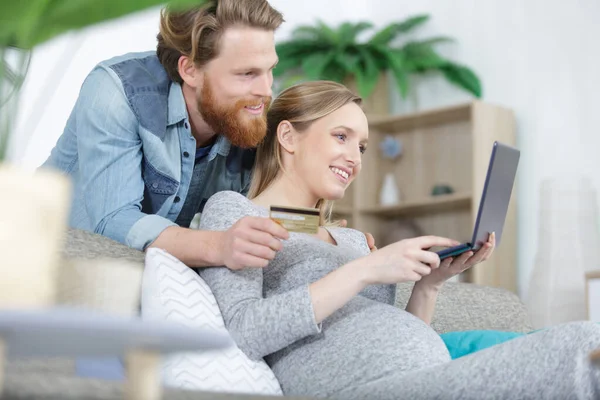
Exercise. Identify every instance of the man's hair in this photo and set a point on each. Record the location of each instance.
(196, 32)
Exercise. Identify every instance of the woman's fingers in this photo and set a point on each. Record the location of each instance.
(446, 262)
(461, 261)
(428, 257)
(422, 269)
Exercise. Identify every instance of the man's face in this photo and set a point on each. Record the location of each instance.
(235, 92)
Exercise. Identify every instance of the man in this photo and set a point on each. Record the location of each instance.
(153, 135)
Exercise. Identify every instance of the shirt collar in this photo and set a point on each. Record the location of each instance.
(221, 146)
(176, 109)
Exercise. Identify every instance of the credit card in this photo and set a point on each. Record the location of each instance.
(296, 219)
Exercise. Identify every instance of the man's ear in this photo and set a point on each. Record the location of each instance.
(286, 137)
(188, 72)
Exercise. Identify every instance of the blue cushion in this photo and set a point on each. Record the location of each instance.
(466, 342)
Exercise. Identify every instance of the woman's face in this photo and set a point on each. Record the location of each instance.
(327, 156)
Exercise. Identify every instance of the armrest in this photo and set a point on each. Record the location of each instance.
(465, 306)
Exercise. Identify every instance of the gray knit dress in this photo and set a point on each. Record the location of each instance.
(370, 349)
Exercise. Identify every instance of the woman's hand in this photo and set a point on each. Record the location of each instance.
(403, 261)
(451, 267)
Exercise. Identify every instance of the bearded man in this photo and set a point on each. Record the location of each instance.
(153, 135)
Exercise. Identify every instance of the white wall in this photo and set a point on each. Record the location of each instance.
(537, 57)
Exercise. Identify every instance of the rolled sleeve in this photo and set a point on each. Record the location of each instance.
(145, 230)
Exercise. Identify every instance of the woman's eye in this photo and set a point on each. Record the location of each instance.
(341, 136)
(362, 149)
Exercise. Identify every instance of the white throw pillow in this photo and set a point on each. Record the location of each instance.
(171, 291)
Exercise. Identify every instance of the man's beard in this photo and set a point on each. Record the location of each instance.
(227, 120)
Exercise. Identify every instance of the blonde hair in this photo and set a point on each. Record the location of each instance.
(196, 32)
(301, 105)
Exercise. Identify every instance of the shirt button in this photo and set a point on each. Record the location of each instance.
(186, 154)
(155, 185)
(176, 199)
(187, 126)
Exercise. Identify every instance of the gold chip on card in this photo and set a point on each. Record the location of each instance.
(296, 219)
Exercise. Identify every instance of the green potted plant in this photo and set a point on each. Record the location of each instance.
(37, 204)
(325, 52)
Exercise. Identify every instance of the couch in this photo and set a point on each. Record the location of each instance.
(461, 306)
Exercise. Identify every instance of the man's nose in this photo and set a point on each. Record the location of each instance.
(263, 86)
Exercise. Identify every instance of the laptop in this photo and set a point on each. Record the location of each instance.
(493, 205)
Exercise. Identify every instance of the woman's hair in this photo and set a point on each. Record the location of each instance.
(196, 32)
(301, 105)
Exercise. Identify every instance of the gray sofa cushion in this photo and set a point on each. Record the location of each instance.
(83, 244)
(465, 306)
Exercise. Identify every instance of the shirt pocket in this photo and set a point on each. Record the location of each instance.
(158, 188)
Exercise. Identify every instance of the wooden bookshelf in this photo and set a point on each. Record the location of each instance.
(451, 146)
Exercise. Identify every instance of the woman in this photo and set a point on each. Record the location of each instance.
(322, 314)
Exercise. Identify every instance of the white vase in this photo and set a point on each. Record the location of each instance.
(390, 194)
(568, 246)
(32, 226)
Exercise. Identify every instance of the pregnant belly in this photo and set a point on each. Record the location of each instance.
(361, 342)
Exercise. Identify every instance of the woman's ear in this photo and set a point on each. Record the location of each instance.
(188, 72)
(286, 136)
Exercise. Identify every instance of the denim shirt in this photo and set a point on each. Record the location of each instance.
(129, 150)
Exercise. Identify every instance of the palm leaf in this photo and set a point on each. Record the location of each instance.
(387, 34)
(327, 34)
(348, 60)
(334, 71)
(45, 19)
(298, 48)
(292, 53)
(463, 77)
(16, 18)
(435, 40)
(366, 73)
(314, 65)
(420, 56)
(380, 56)
(285, 65)
(397, 65)
(348, 31)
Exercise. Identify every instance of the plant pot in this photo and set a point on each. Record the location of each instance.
(34, 217)
(378, 103)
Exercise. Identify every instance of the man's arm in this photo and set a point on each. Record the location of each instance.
(192, 247)
(110, 162)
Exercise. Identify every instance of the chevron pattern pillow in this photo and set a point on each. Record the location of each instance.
(171, 291)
